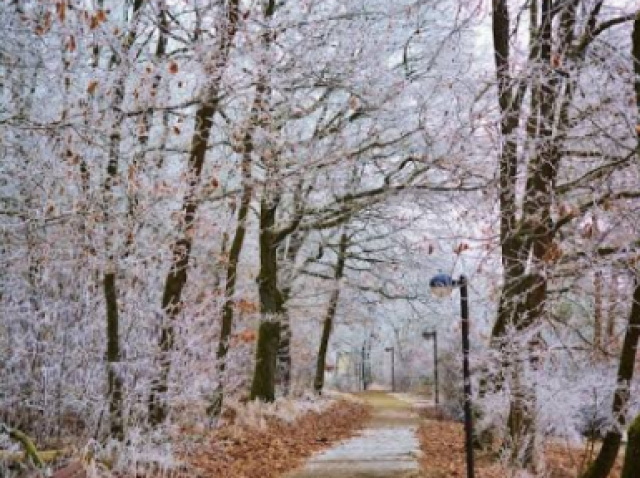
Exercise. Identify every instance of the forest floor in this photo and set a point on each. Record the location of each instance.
(387, 447)
(276, 445)
(443, 455)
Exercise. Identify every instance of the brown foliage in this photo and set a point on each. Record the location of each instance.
(443, 455)
(234, 452)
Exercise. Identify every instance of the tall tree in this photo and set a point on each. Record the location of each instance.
(608, 454)
(332, 308)
(530, 231)
(256, 120)
(181, 250)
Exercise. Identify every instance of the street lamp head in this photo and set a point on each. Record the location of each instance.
(441, 285)
(428, 334)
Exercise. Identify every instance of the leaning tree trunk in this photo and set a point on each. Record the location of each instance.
(606, 458)
(601, 467)
(631, 467)
(318, 383)
(177, 277)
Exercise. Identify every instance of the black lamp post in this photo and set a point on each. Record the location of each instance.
(434, 335)
(393, 368)
(442, 286)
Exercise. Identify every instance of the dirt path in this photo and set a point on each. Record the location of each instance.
(386, 448)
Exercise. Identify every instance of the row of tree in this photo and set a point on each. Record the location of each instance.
(209, 198)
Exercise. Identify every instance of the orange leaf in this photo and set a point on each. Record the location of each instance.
(460, 248)
(71, 44)
(92, 86)
(552, 254)
(61, 10)
(246, 306)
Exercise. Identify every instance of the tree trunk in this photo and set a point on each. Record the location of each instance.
(611, 311)
(181, 250)
(271, 304)
(601, 467)
(263, 385)
(597, 313)
(114, 382)
(284, 347)
(284, 354)
(236, 248)
(318, 384)
(527, 237)
(631, 467)
(606, 458)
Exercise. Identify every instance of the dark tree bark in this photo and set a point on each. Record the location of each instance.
(597, 313)
(631, 467)
(177, 277)
(527, 230)
(290, 254)
(271, 303)
(611, 311)
(114, 381)
(236, 248)
(606, 458)
(327, 327)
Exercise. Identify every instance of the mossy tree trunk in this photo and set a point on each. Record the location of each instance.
(327, 327)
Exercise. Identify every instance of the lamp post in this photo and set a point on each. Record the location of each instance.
(393, 368)
(363, 366)
(434, 335)
(442, 286)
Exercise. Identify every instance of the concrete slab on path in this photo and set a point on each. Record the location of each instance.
(387, 448)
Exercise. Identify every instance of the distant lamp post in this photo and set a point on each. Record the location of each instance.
(442, 285)
(393, 368)
(427, 335)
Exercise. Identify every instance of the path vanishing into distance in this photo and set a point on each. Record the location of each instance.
(387, 447)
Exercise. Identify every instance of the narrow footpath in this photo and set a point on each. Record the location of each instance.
(386, 448)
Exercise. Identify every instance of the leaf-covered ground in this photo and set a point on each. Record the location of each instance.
(279, 446)
(443, 456)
